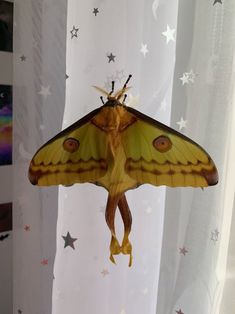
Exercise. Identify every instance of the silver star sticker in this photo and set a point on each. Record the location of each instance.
(169, 34)
(148, 210)
(182, 123)
(144, 49)
(133, 101)
(120, 76)
(45, 91)
(163, 105)
(191, 76)
(184, 78)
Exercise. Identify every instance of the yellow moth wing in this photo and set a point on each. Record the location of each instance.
(181, 163)
(83, 161)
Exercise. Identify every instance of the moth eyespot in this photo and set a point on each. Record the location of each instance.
(71, 145)
(162, 143)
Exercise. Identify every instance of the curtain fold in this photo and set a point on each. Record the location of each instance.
(38, 95)
(197, 220)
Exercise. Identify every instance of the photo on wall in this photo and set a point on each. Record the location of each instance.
(6, 26)
(5, 217)
(5, 125)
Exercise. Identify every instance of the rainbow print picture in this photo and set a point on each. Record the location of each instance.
(5, 125)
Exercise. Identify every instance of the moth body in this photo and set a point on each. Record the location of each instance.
(113, 120)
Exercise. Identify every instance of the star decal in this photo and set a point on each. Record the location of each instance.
(182, 123)
(66, 76)
(111, 57)
(105, 272)
(163, 105)
(123, 311)
(188, 77)
(119, 76)
(191, 76)
(179, 312)
(69, 241)
(23, 199)
(95, 11)
(74, 32)
(217, 1)
(27, 228)
(169, 34)
(133, 101)
(183, 251)
(144, 49)
(148, 210)
(45, 91)
(19, 312)
(44, 262)
(184, 79)
(215, 235)
(23, 58)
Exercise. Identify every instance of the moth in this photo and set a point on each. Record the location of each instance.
(120, 148)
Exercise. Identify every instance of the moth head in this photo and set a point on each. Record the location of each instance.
(115, 99)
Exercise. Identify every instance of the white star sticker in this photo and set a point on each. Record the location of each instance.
(182, 123)
(123, 311)
(45, 91)
(133, 101)
(169, 34)
(148, 210)
(191, 76)
(163, 105)
(120, 76)
(144, 49)
(185, 78)
(188, 77)
(23, 152)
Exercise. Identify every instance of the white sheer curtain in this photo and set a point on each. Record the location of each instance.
(181, 58)
(39, 96)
